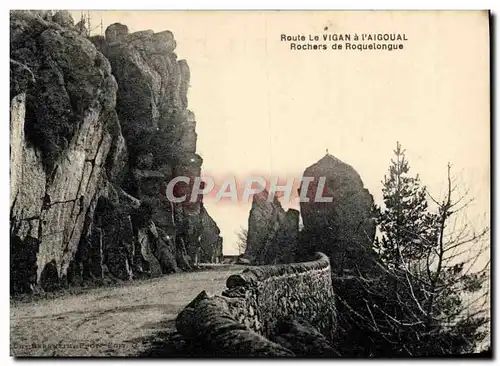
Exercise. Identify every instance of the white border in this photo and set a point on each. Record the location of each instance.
(184, 4)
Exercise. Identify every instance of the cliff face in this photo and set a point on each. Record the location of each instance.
(87, 200)
(160, 135)
(210, 240)
(344, 229)
(272, 232)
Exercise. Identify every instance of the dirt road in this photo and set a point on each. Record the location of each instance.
(108, 321)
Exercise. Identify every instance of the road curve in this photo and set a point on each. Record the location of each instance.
(108, 321)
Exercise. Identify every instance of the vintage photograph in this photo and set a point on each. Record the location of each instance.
(244, 184)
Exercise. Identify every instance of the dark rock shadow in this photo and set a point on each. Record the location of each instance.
(168, 343)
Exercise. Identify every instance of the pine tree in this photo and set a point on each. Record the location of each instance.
(408, 230)
(433, 301)
(429, 299)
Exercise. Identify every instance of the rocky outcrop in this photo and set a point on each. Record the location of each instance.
(62, 110)
(160, 135)
(152, 101)
(109, 245)
(272, 232)
(210, 240)
(88, 171)
(344, 229)
(63, 18)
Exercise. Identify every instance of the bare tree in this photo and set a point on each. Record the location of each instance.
(242, 240)
(85, 24)
(437, 305)
(456, 258)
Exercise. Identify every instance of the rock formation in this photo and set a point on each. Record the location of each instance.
(97, 128)
(210, 241)
(344, 229)
(272, 232)
(160, 135)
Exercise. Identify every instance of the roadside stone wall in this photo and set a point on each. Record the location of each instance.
(207, 321)
(270, 293)
(256, 301)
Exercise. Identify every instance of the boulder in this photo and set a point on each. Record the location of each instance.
(116, 32)
(63, 18)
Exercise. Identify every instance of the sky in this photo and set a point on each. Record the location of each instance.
(263, 109)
